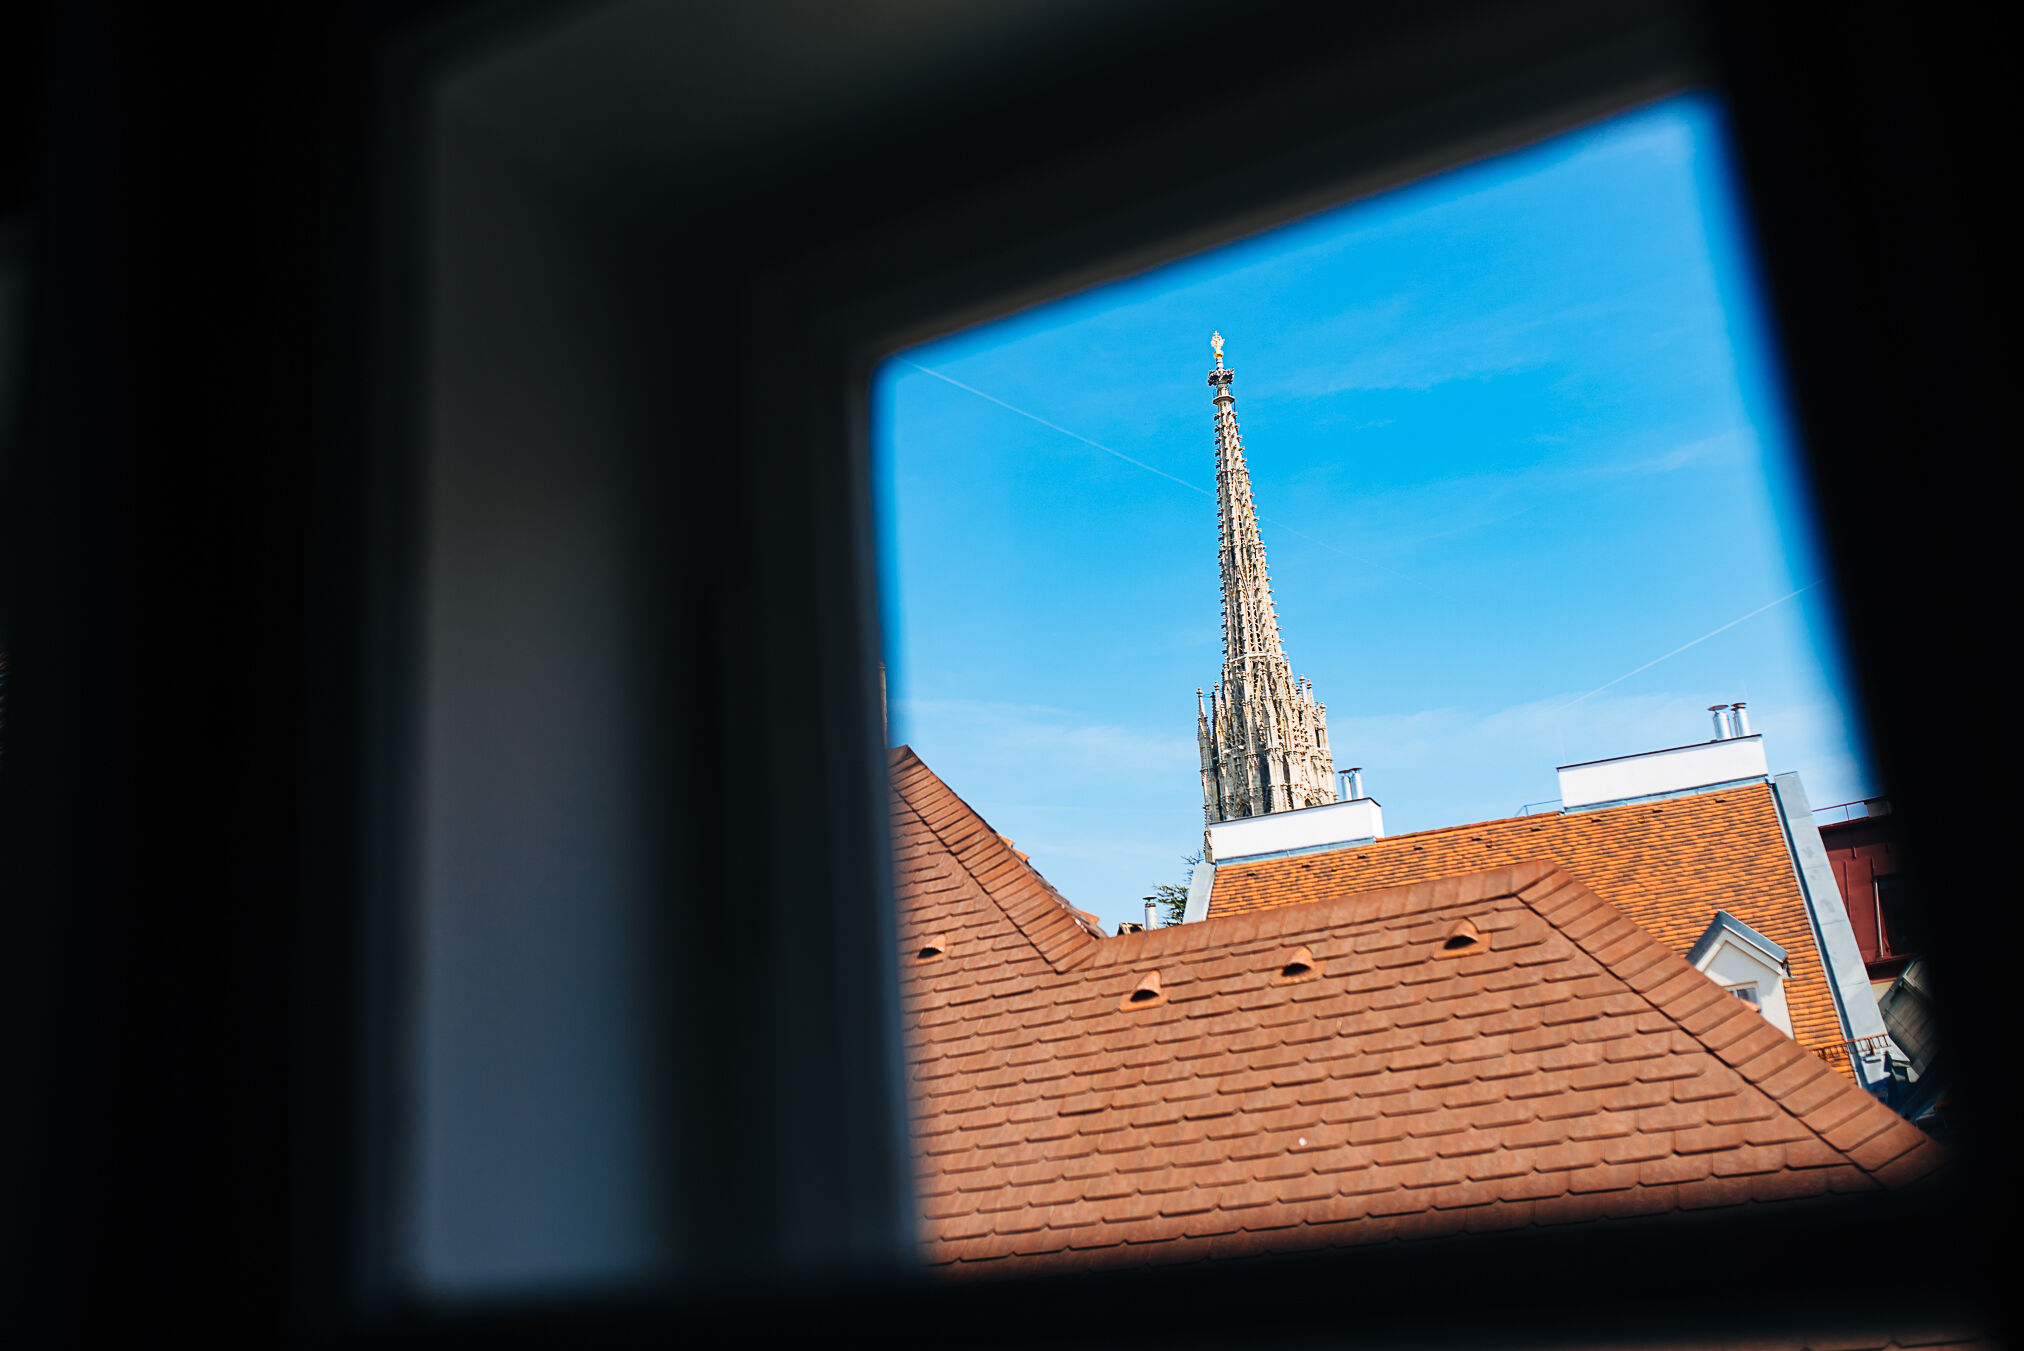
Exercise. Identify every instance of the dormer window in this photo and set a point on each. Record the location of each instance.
(1747, 965)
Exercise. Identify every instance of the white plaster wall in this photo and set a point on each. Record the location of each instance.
(1667, 771)
(1332, 823)
(534, 1140)
(1733, 964)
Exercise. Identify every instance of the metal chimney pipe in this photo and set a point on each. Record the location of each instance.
(1721, 723)
(1150, 922)
(1739, 718)
(1356, 783)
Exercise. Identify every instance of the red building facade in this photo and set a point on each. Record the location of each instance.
(1882, 906)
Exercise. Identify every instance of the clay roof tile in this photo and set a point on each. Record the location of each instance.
(1660, 868)
(1567, 1068)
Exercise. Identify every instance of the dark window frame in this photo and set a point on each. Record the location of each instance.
(264, 1212)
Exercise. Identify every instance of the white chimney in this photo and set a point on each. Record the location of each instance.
(1150, 905)
(1716, 711)
(1739, 718)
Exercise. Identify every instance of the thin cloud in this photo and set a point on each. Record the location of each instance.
(1035, 734)
(1141, 464)
(1694, 643)
(1450, 765)
(1703, 450)
(1400, 344)
(1457, 740)
(1401, 520)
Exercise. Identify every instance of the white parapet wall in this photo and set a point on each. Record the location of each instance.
(1332, 823)
(1655, 773)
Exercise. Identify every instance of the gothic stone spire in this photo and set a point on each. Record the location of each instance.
(1263, 738)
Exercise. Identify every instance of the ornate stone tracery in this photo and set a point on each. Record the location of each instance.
(1263, 737)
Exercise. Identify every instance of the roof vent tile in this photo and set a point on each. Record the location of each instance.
(1299, 966)
(1145, 995)
(1463, 938)
(932, 948)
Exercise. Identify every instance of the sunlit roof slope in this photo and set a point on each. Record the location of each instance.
(1473, 1053)
(1669, 865)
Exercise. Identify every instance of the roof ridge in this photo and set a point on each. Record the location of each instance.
(1844, 1117)
(1540, 816)
(1063, 935)
(1325, 915)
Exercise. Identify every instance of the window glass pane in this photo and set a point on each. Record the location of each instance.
(1536, 693)
(1522, 472)
(1904, 928)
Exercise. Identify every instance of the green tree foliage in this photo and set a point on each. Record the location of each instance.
(1172, 897)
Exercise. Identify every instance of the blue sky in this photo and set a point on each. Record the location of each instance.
(1514, 431)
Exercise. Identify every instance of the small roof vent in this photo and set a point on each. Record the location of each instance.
(1145, 995)
(1299, 966)
(1462, 938)
(932, 948)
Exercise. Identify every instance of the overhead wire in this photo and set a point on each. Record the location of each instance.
(1151, 469)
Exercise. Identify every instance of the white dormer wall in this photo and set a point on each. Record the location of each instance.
(1730, 962)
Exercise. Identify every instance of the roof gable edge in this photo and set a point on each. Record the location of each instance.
(1059, 932)
(1842, 1116)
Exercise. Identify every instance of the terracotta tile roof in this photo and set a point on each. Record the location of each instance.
(1668, 865)
(1566, 1067)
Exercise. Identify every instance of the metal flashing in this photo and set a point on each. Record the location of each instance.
(1726, 923)
(1199, 887)
(1847, 977)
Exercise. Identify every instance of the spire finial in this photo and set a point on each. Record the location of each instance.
(1216, 346)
